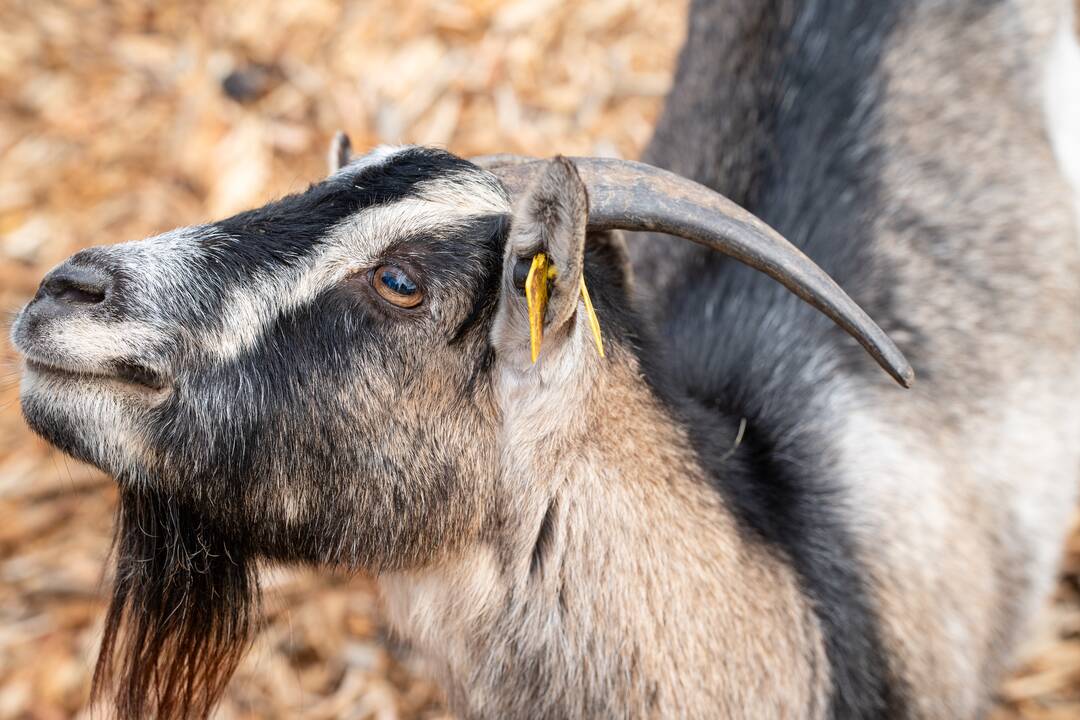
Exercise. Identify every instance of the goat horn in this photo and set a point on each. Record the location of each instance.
(627, 195)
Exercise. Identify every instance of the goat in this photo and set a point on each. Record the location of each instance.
(729, 512)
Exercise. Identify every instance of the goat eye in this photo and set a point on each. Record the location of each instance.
(396, 287)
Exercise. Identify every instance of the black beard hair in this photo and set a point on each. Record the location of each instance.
(181, 613)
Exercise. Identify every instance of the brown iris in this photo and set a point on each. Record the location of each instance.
(396, 287)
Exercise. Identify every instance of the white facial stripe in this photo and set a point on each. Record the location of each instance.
(353, 245)
(467, 190)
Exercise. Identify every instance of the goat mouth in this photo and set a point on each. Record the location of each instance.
(125, 373)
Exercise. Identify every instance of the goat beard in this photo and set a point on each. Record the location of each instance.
(180, 616)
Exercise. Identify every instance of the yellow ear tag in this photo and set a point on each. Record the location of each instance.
(536, 295)
(594, 324)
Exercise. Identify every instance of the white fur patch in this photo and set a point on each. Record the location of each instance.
(1061, 100)
(103, 416)
(91, 345)
(466, 190)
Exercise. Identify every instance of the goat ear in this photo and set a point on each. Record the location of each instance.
(340, 152)
(543, 285)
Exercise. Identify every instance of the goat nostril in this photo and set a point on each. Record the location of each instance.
(76, 285)
(73, 294)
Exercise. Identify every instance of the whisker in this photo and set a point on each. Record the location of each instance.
(67, 467)
(56, 467)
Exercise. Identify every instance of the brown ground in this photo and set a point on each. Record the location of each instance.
(114, 125)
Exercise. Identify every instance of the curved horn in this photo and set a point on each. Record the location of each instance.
(627, 195)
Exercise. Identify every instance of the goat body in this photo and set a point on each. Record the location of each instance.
(732, 513)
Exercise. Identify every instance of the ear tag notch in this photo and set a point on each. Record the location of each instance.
(541, 273)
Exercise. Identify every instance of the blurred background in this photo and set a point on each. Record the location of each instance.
(122, 119)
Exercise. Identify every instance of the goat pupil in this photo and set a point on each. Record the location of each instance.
(397, 281)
